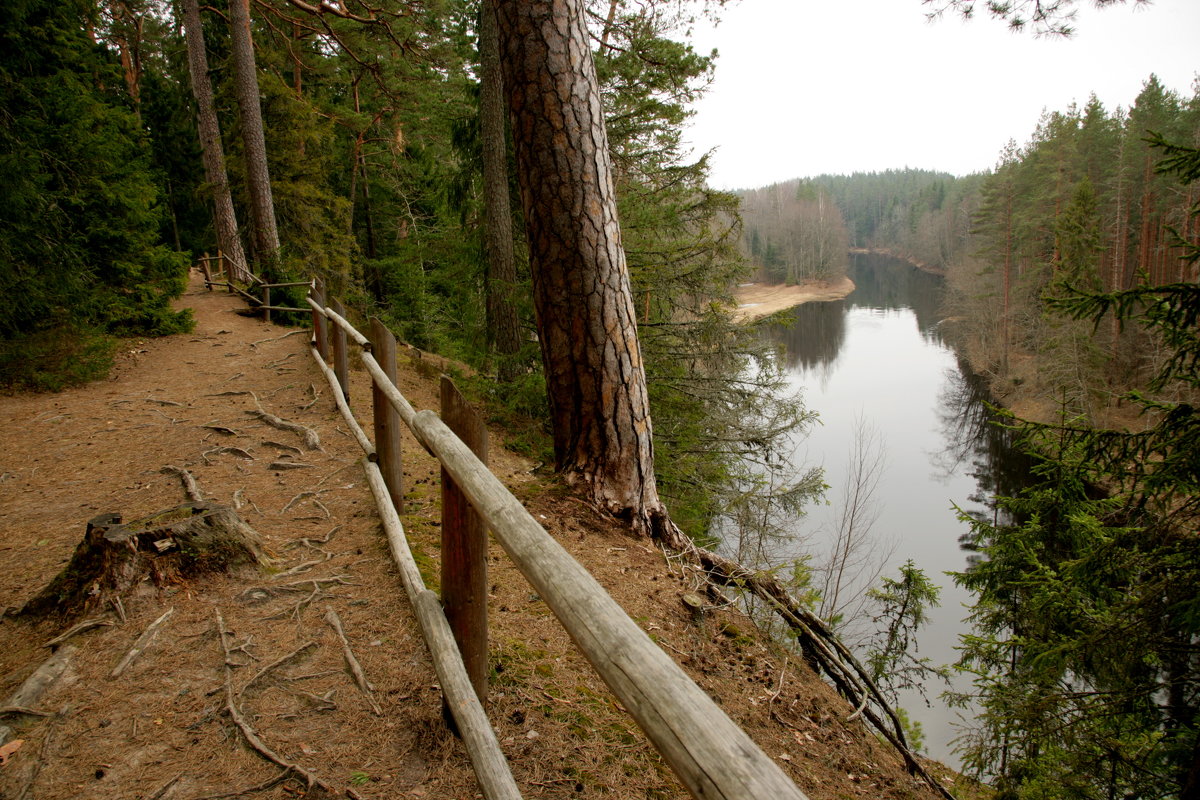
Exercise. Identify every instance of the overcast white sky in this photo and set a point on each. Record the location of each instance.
(805, 87)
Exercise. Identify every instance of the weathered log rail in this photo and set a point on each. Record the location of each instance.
(261, 302)
(712, 756)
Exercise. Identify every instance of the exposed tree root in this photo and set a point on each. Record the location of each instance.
(143, 641)
(356, 670)
(820, 647)
(311, 780)
(279, 662)
(190, 487)
(310, 438)
(86, 625)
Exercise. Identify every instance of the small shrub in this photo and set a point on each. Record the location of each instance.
(55, 359)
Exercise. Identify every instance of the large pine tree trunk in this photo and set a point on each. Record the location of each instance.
(258, 180)
(504, 330)
(585, 311)
(224, 217)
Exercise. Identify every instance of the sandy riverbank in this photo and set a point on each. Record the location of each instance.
(757, 300)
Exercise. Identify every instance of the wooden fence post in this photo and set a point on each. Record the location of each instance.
(387, 419)
(266, 300)
(207, 272)
(226, 273)
(341, 357)
(320, 324)
(464, 546)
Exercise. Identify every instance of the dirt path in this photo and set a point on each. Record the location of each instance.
(101, 448)
(159, 730)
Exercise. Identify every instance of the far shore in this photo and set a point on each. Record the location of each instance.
(758, 300)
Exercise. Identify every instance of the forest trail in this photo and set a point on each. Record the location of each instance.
(160, 730)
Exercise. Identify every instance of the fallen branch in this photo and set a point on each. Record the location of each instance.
(283, 465)
(143, 641)
(822, 649)
(311, 440)
(360, 677)
(87, 624)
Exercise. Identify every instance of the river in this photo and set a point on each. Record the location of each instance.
(877, 361)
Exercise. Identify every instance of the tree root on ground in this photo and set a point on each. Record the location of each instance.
(820, 647)
(310, 438)
(356, 670)
(290, 769)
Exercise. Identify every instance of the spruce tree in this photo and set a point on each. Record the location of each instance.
(1084, 646)
(79, 232)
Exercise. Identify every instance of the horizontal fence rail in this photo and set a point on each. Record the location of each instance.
(261, 302)
(712, 756)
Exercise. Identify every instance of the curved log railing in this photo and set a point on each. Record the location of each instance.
(712, 756)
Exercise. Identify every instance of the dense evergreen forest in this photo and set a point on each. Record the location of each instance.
(372, 148)
(1080, 205)
(131, 149)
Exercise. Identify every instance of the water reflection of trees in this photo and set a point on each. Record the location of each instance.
(973, 438)
(813, 333)
(889, 283)
(973, 442)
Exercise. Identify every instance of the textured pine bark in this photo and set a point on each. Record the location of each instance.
(258, 180)
(503, 326)
(224, 217)
(585, 312)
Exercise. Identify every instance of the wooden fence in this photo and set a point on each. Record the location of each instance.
(711, 755)
(261, 302)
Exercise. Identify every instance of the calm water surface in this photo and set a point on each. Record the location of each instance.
(878, 356)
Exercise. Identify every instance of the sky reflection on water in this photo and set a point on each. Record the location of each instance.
(878, 356)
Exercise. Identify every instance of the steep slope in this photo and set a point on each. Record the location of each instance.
(159, 730)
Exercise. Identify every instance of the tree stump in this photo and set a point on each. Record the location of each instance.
(168, 547)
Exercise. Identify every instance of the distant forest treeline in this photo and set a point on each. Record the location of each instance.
(1071, 285)
(1079, 204)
